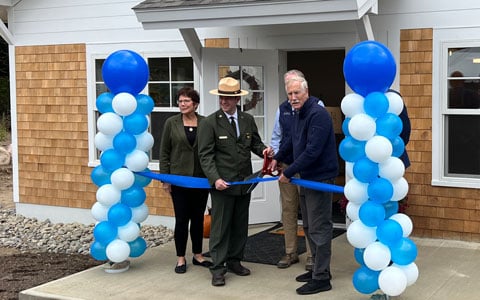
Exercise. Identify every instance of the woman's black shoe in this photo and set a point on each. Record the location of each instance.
(181, 269)
(205, 263)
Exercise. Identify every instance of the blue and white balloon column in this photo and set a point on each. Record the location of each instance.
(371, 149)
(124, 142)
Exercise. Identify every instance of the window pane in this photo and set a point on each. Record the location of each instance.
(464, 60)
(463, 93)
(182, 69)
(463, 146)
(160, 93)
(101, 88)
(98, 70)
(158, 121)
(159, 69)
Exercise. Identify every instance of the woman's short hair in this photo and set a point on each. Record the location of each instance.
(190, 93)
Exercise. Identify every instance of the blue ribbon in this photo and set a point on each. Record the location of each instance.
(202, 183)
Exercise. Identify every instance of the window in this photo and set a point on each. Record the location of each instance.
(251, 79)
(167, 76)
(460, 117)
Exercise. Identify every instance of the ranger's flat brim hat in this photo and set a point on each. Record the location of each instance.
(229, 87)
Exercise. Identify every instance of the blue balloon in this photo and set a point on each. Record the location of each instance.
(345, 130)
(137, 247)
(124, 142)
(105, 232)
(389, 232)
(112, 159)
(351, 149)
(369, 67)
(119, 214)
(365, 170)
(380, 190)
(145, 104)
(104, 102)
(389, 125)
(376, 104)
(371, 213)
(358, 254)
(391, 208)
(125, 71)
(404, 252)
(100, 176)
(98, 251)
(133, 196)
(365, 280)
(142, 181)
(398, 146)
(135, 123)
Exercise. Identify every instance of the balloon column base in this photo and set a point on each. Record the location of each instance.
(113, 268)
(379, 297)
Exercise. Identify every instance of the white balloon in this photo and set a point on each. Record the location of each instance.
(108, 195)
(124, 104)
(405, 222)
(122, 178)
(410, 270)
(139, 213)
(118, 250)
(391, 169)
(378, 149)
(99, 211)
(377, 256)
(392, 281)
(352, 210)
(362, 127)
(137, 160)
(109, 123)
(395, 103)
(129, 232)
(349, 169)
(352, 104)
(360, 235)
(103, 141)
(400, 189)
(144, 141)
(356, 191)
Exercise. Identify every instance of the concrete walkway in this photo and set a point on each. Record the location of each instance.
(448, 270)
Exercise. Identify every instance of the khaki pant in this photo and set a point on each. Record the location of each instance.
(290, 197)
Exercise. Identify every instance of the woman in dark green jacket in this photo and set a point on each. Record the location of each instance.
(179, 156)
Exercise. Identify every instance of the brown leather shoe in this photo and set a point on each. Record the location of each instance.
(287, 260)
(238, 269)
(218, 279)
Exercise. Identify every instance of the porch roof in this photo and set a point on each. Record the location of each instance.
(170, 14)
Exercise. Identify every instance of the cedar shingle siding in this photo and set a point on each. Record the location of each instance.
(52, 130)
(437, 212)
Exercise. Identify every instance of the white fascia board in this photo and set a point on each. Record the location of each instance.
(254, 14)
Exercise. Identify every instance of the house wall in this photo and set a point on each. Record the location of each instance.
(52, 130)
(437, 212)
(62, 35)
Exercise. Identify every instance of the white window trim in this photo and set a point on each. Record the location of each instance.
(442, 42)
(91, 96)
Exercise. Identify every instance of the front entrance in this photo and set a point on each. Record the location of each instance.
(257, 71)
(324, 73)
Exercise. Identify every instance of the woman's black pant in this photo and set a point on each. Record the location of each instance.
(189, 207)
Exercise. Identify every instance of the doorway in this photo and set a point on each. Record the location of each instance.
(323, 70)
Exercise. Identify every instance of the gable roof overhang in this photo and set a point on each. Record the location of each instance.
(186, 15)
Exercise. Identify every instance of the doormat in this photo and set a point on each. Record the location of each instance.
(280, 230)
(268, 248)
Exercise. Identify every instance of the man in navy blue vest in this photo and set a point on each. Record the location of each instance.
(312, 144)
